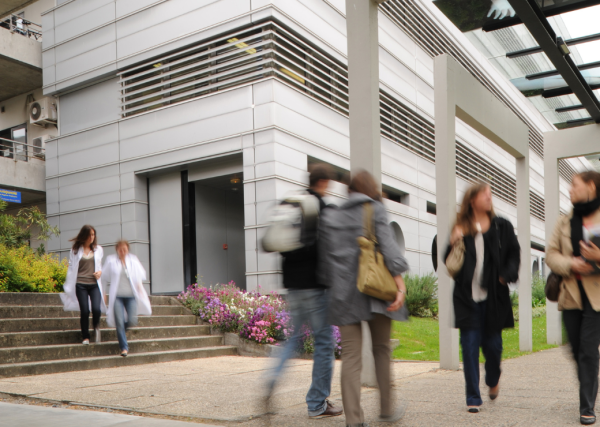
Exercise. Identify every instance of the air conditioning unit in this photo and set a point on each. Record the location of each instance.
(39, 146)
(43, 111)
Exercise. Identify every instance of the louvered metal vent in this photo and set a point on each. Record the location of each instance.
(537, 206)
(266, 50)
(471, 167)
(566, 170)
(536, 142)
(404, 127)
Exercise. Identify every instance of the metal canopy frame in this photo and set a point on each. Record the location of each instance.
(537, 24)
(562, 144)
(538, 49)
(458, 94)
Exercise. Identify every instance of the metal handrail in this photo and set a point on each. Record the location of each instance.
(19, 25)
(20, 151)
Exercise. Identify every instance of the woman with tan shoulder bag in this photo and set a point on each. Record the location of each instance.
(343, 234)
(573, 255)
(483, 257)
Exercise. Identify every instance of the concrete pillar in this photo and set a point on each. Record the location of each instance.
(365, 144)
(552, 199)
(363, 82)
(524, 236)
(445, 148)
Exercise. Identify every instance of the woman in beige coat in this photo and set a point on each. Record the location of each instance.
(569, 256)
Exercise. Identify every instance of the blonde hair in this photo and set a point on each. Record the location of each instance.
(122, 242)
(464, 218)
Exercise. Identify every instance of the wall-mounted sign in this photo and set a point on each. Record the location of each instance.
(10, 196)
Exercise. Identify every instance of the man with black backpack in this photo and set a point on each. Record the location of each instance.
(308, 302)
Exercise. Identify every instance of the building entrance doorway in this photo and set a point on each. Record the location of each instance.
(220, 242)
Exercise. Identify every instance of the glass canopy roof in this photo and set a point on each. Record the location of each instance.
(498, 33)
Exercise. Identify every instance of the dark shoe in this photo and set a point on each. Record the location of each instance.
(330, 411)
(124, 353)
(586, 421)
(494, 391)
(395, 417)
(474, 409)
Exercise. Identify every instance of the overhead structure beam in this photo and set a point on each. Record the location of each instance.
(542, 32)
(548, 11)
(551, 73)
(569, 108)
(567, 90)
(537, 49)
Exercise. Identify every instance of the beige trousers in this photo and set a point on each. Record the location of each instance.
(380, 327)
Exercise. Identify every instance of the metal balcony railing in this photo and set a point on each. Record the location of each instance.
(10, 149)
(18, 25)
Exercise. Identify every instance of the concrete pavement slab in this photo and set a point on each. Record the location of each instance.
(14, 415)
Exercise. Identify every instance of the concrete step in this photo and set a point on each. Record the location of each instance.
(52, 311)
(24, 339)
(78, 351)
(85, 363)
(72, 323)
(32, 298)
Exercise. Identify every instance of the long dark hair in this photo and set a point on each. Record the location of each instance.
(465, 219)
(590, 176)
(363, 182)
(83, 236)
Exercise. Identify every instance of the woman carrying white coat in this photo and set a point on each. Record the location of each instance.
(83, 281)
(127, 296)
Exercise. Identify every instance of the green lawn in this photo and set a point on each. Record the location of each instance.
(419, 339)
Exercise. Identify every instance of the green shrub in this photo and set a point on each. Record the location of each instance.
(23, 270)
(421, 295)
(538, 295)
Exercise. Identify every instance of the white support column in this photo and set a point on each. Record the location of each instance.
(524, 236)
(445, 170)
(363, 82)
(552, 200)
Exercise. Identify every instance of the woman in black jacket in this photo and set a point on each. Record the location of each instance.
(482, 306)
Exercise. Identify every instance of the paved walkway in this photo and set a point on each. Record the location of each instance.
(14, 415)
(536, 390)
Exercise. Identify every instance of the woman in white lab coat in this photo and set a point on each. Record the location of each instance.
(127, 296)
(83, 283)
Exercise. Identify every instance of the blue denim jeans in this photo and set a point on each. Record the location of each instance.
(491, 344)
(310, 307)
(122, 304)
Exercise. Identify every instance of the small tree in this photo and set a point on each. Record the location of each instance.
(17, 230)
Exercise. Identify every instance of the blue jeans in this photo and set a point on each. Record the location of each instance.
(122, 304)
(491, 344)
(310, 307)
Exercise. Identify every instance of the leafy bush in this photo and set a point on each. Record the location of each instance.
(538, 295)
(22, 270)
(421, 295)
(17, 230)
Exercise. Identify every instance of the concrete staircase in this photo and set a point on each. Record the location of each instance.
(38, 337)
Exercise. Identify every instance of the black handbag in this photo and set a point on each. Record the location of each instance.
(552, 289)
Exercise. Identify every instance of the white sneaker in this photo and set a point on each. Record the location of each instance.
(86, 342)
(98, 336)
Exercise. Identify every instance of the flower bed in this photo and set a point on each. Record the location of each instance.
(263, 319)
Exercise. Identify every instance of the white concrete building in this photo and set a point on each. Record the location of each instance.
(182, 123)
